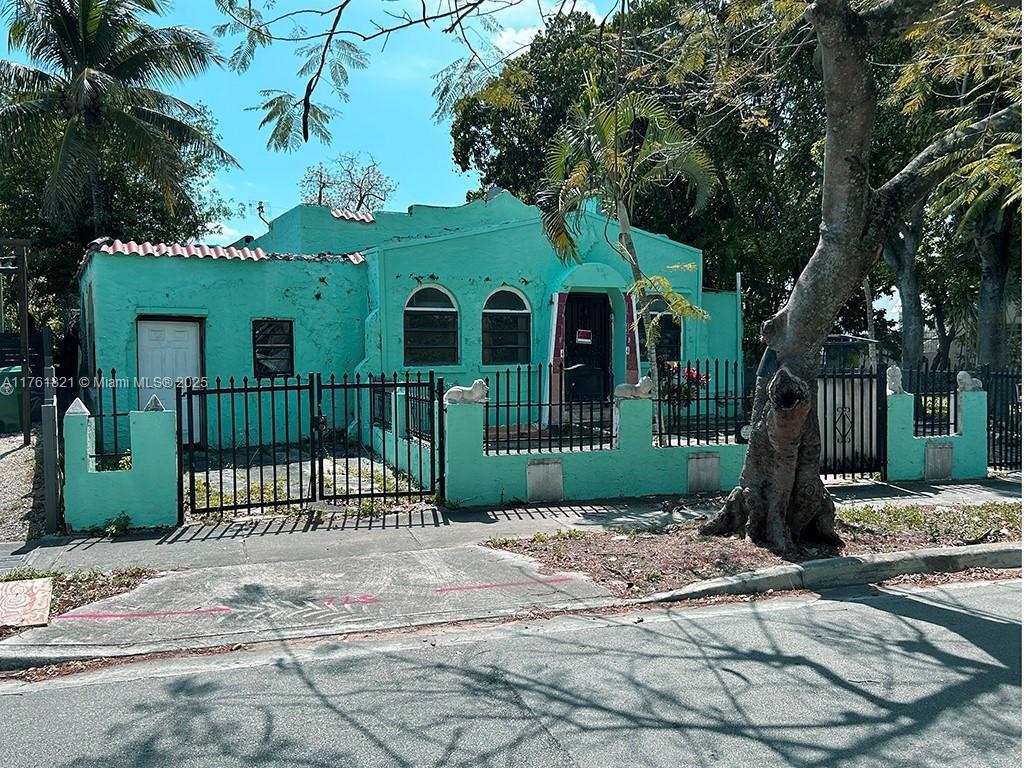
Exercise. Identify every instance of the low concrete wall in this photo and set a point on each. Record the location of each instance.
(907, 456)
(147, 492)
(634, 466)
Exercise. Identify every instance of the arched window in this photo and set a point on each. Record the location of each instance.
(431, 328)
(506, 329)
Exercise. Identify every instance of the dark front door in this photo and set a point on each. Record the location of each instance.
(588, 346)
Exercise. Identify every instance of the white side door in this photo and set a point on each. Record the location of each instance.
(168, 353)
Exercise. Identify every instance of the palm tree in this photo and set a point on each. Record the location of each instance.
(611, 152)
(95, 88)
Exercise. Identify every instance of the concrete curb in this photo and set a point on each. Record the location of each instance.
(15, 657)
(814, 574)
(849, 571)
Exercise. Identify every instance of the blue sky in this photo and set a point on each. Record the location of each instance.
(388, 114)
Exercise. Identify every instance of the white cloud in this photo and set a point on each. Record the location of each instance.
(514, 41)
(519, 30)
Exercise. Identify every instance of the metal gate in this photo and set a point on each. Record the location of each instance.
(851, 422)
(1004, 418)
(380, 439)
(278, 446)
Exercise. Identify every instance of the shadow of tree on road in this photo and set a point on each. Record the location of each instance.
(878, 680)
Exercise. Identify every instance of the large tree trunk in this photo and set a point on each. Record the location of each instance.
(93, 165)
(991, 235)
(781, 499)
(900, 254)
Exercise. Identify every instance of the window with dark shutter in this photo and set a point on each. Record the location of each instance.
(273, 352)
(506, 329)
(431, 328)
(669, 343)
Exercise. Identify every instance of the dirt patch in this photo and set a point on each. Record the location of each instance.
(642, 563)
(21, 491)
(73, 589)
(64, 669)
(938, 579)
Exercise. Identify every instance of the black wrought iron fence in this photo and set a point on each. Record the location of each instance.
(851, 413)
(109, 398)
(699, 403)
(382, 395)
(533, 409)
(278, 445)
(420, 399)
(366, 457)
(246, 446)
(935, 398)
(1004, 417)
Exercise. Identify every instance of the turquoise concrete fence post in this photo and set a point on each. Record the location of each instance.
(79, 447)
(904, 459)
(633, 428)
(970, 450)
(906, 454)
(147, 492)
(464, 447)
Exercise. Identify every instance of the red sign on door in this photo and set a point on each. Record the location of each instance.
(584, 337)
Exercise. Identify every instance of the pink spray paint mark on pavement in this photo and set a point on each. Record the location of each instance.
(351, 600)
(530, 583)
(142, 614)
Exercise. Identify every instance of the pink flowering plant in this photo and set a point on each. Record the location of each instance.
(678, 383)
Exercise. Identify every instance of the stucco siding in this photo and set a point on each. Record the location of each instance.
(326, 300)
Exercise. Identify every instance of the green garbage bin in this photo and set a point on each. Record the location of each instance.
(11, 387)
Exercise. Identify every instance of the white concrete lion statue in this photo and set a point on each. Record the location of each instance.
(640, 391)
(477, 393)
(967, 383)
(894, 380)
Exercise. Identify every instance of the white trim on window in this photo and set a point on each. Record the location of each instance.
(453, 308)
(526, 302)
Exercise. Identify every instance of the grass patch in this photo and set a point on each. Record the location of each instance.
(72, 589)
(961, 524)
(501, 542)
(641, 562)
(565, 534)
(255, 495)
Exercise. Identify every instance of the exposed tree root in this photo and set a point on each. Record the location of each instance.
(780, 500)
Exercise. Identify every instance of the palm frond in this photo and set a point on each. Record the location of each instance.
(183, 135)
(69, 169)
(163, 56)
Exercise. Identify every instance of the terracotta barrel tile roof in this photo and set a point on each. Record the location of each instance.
(177, 249)
(364, 216)
(199, 251)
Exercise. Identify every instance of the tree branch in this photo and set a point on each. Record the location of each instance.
(893, 16)
(923, 173)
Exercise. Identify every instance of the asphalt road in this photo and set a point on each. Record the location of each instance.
(929, 678)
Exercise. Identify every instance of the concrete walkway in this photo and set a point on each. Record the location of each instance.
(266, 580)
(230, 604)
(424, 527)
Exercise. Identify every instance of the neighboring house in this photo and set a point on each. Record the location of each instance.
(466, 291)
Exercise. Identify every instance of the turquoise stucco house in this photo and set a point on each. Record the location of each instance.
(466, 291)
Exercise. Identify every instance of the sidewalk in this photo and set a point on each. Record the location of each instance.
(296, 540)
(248, 582)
